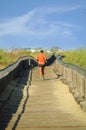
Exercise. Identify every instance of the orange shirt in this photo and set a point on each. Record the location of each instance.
(41, 58)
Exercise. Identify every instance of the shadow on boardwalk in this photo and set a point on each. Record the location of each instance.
(50, 105)
(11, 99)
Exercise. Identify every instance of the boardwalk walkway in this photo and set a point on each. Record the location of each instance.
(44, 105)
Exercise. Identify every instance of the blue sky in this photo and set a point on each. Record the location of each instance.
(42, 23)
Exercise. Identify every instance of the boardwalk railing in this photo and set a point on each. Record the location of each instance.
(75, 77)
(71, 74)
(14, 70)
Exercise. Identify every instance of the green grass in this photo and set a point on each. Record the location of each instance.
(7, 58)
(77, 57)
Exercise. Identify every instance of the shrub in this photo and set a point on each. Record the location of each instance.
(77, 57)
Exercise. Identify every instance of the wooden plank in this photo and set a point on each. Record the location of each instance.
(50, 106)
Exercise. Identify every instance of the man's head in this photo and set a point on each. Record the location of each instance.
(41, 51)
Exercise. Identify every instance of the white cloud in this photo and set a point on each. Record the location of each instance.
(35, 23)
(15, 25)
(55, 9)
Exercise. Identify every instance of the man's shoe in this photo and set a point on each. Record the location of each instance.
(41, 78)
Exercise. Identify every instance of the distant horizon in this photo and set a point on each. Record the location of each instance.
(37, 23)
(39, 48)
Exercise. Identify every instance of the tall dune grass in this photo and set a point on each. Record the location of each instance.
(77, 57)
(8, 57)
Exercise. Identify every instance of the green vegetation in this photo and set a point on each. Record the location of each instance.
(9, 57)
(77, 57)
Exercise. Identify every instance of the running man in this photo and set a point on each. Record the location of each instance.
(41, 58)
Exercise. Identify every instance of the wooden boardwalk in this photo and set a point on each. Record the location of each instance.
(44, 105)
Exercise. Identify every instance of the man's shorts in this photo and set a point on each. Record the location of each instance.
(41, 65)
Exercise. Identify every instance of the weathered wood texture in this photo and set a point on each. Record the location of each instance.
(75, 80)
(45, 105)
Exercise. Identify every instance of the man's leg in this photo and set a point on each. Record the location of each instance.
(40, 72)
(41, 69)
